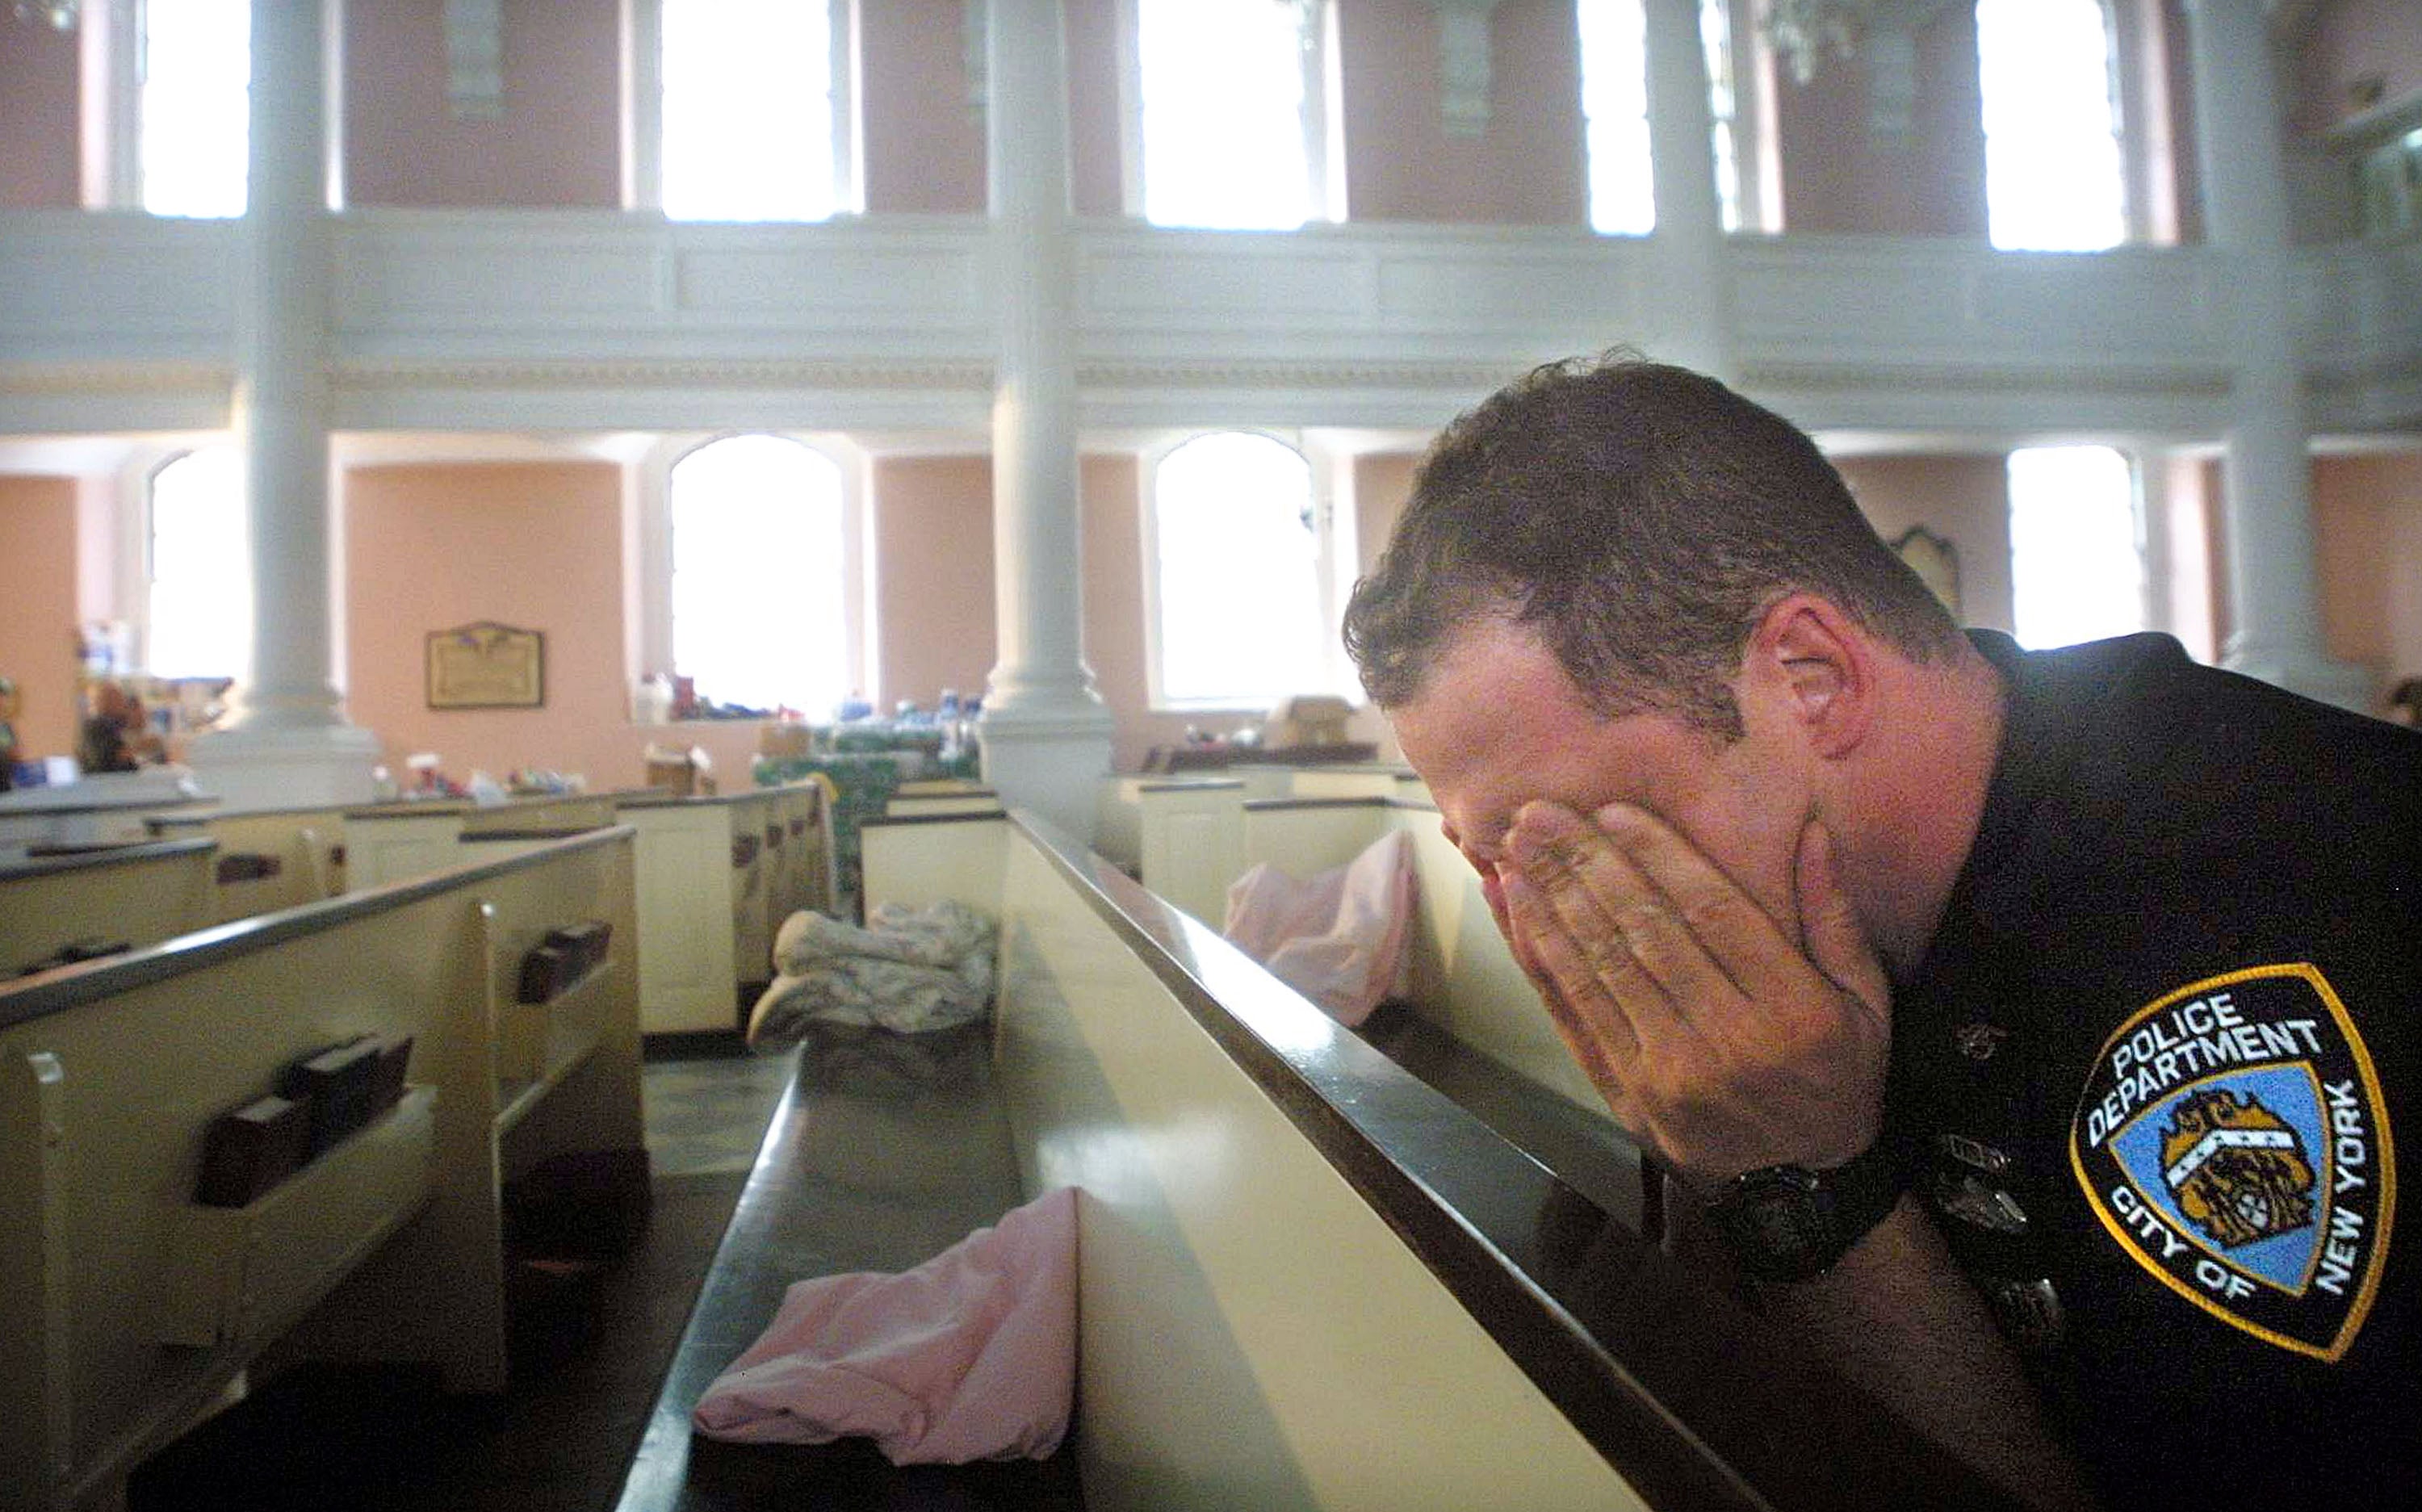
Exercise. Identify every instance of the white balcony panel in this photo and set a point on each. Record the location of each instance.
(76, 287)
(930, 287)
(1186, 280)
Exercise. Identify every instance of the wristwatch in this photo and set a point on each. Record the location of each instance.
(1786, 1222)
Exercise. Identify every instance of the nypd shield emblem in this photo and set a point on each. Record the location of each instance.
(2232, 1138)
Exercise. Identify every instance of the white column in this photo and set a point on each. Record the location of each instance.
(1047, 735)
(1693, 291)
(289, 742)
(2266, 473)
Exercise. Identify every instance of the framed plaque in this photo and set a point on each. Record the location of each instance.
(486, 666)
(1935, 560)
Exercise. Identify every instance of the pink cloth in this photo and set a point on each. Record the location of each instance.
(1342, 938)
(971, 1356)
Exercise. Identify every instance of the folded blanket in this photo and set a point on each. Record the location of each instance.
(971, 1356)
(909, 970)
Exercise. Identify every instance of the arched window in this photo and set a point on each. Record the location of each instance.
(198, 620)
(759, 613)
(1232, 113)
(2077, 556)
(2054, 179)
(754, 118)
(194, 64)
(1240, 616)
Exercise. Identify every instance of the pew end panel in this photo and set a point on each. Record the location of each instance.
(1192, 843)
(130, 1311)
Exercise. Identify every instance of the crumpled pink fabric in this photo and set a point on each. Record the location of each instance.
(1342, 938)
(971, 1356)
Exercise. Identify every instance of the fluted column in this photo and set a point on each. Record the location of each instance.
(1694, 290)
(1047, 735)
(288, 740)
(2266, 473)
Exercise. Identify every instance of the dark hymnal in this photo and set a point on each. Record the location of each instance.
(566, 955)
(337, 1083)
(386, 1080)
(246, 1152)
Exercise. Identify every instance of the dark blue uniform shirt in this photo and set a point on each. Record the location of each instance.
(2154, 1063)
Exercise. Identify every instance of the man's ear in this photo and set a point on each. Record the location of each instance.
(1819, 666)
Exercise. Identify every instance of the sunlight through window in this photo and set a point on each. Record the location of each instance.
(1227, 127)
(1614, 105)
(2053, 175)
(196, 66)
(1238, 574)
(750, 118)
(201, 575)
(759, 620)
(2077, 559)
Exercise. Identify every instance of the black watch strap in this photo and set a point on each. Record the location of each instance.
(1788, 1222)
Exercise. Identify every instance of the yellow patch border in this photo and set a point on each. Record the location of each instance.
(2384, 1217)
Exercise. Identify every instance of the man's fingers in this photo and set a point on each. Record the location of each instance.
(1741, 945)
(1593, 1023)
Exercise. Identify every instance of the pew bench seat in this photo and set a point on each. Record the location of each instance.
(886, 1150)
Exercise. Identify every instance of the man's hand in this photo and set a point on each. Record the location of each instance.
(1712, 1034)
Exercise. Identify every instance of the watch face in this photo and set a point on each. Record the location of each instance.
(1781, 1223)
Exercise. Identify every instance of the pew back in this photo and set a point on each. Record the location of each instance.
(132, 894)
(268, 859)
(129, 1309)
(1326, 1366)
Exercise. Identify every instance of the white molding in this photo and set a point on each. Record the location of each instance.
(600, 320)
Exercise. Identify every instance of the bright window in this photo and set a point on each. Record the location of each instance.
(1230, 98)
(758, 612)
(1614, 106)
(754, 110)
(1240, 615)
(2053, 179)
(2077, 558)
(194, 64)
(200, 608)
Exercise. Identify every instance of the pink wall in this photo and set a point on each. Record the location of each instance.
(2354, 46)
(37, 607)
(1965, 499)
(1097, 185)
(37, 117)
(559, 142)
(933, 523)
(1840, 175)
(535, 546)
(924, 143)
(1526, 168)
(2367, 540)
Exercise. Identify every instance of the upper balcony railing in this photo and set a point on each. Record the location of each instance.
(581, 319)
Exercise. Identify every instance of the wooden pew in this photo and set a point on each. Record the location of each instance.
(133, 893)
(268, 858)
(128, 1310)
(715, 876)
(1307, 1280)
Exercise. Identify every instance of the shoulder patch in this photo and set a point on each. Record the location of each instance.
(2232, 1137)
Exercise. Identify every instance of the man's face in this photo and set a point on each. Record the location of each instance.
(1500, 723)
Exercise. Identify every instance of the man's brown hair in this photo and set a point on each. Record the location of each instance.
(1640, 518)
